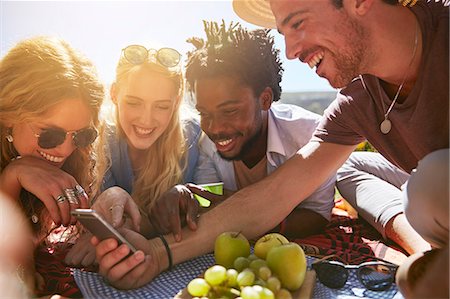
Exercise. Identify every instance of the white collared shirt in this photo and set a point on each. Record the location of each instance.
(289, 128)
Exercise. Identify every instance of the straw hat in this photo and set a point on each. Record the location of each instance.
(255, 11)
(258, 11)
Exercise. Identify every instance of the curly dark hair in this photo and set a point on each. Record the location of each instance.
(234, 51)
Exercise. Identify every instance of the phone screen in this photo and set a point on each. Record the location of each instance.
(99, 227)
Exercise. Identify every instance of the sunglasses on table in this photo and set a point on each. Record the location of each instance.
(136, 54)
(375, 276)
(52, 137)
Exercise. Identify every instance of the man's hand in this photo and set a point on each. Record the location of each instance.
(82, 253)
(174, 207)
(125, 272)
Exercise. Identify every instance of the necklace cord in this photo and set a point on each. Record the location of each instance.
(404, 78)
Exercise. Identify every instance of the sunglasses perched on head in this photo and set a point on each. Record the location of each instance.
(52, 137)
(136, 54)
(375, 276)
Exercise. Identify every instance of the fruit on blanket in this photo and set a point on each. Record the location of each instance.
(229, 246)
(288, 263)
(266, 242)
(198, 287)
(215, 275)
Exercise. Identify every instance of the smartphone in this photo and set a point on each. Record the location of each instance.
(99, 227)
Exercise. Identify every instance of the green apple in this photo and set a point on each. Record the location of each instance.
(288, 263)
(229, 246)
(266, 242)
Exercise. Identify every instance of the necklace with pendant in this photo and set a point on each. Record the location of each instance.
(386, 125)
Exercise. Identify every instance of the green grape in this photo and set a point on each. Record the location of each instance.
(260, 282)
(283, 294)
(252, 257)
(264, 293)
(245, 278)
(273, 284)
(232, 277)
(264, 273)
(249, 293)
(241, 263)
(256, 264)
(215, 275)
(198, 287)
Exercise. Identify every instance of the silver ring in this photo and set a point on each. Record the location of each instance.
(70, 195)
(61, 198)
(79, 191)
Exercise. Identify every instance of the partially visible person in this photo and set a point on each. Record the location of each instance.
(15, 256)
(151, 147)
(393, 65)
(50, 102)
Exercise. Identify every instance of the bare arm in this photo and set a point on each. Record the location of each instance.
(253, 210)
(261, 206)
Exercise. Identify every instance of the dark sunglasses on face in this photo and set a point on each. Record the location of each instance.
(375, 276)
(136, 54)
(52, 137)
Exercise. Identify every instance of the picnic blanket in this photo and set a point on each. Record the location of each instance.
(351, 239)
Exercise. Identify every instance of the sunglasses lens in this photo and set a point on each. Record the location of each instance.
(332, 276)
(135, 54)
(168, 57)
(85, 137)
(377, 277)
(51, 138)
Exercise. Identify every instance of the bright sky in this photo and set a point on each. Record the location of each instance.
(100, 29)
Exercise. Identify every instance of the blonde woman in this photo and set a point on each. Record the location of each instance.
(49, 107)
(152, 149)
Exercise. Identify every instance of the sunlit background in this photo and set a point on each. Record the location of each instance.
(100, 29)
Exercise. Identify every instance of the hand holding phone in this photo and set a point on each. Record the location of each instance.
(99, 227)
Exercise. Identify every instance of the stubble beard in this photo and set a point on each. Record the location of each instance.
(350, 61)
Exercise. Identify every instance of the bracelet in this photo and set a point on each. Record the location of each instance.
(169, 253)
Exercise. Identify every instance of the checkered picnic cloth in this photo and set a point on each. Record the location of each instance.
(169, 283)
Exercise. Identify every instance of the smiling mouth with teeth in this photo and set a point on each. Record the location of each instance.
(315, 60)
(224, 142)
(143, 131)
(51, 158)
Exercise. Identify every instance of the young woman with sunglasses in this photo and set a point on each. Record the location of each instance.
(152, 148)
(50, 102)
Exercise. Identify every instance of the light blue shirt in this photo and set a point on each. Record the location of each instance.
(289, 128)
(121, 173)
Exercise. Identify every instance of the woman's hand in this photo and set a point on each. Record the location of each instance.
(130, 272)
(58, 190)
(174, 207)
(114, 203)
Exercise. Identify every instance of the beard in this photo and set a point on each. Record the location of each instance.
(246, 148)
(350, 61)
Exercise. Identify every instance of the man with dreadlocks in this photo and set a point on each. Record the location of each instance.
(235, 76)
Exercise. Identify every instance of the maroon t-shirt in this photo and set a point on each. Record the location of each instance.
(420, 124)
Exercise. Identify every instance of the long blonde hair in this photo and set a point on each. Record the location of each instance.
(35, 75)
(161, 169)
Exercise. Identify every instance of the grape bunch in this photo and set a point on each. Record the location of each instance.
(250, 278)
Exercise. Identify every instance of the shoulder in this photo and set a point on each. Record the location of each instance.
(191, 130)
(292, 113)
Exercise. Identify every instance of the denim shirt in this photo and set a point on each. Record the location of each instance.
(289, 128)
(121, 173)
